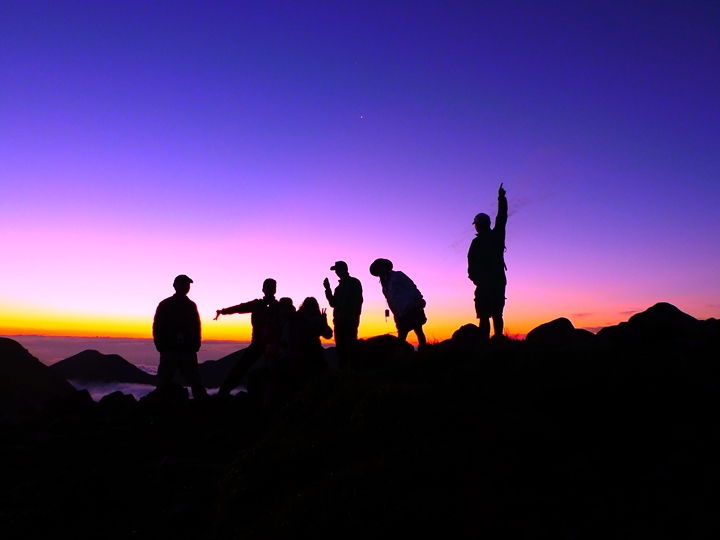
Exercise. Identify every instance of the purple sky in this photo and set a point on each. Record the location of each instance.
(234, 141)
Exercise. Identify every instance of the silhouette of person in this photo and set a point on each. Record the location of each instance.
(176, 333)
(277, 376)
(486, 267)
(264, 316)
(312, 325)
(346, 302)
(298, 354)
(404, 300)
(282, 338)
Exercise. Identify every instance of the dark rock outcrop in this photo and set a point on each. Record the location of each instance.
(559, 333)
(377, 352)
(117, 403)
(78, 403)
(92, 366)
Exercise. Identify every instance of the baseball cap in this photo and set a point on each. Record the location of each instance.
(481, 218)
(182, 278)
(338, 265)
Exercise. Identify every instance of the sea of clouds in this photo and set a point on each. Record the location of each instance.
(141, 352)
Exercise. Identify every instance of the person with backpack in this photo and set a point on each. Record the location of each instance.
(486, 267)
(404, 300)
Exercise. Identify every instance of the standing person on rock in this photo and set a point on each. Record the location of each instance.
(486, 268)
(264, 317)
(346, 302)
(176, 333)
(404, 299)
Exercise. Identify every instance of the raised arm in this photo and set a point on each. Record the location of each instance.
(502, 215)
(328, 292)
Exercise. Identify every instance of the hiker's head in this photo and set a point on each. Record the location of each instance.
(286, 307)
(481, 222)
(269, 287)
(380, 267)
(309, 306)
(181, 284)
(341, 269)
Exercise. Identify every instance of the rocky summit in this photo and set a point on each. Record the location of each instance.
(602, 438)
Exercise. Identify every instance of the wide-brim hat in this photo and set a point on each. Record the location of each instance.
(380, 267)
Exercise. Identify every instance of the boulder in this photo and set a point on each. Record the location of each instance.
(467, 335)
(559, 332)
(117, 403)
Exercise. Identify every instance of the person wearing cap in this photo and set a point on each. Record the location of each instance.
(404, 300)
(486, 267)
(264, 317)
(346, 302)
(176, 333)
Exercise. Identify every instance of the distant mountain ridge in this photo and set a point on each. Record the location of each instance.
(93, 366)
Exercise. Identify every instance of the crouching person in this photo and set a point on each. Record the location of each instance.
(404, 299)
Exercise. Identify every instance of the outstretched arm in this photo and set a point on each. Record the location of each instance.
(246, 307)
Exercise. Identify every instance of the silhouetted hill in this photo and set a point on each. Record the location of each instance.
(92, 366)
(24, 378)
(660, 323)
(214, 372)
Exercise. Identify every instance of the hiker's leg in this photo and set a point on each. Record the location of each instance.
(422, 341)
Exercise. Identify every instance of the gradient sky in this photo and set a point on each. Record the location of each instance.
(233, 141)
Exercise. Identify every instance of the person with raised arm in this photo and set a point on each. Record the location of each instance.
(486, 268)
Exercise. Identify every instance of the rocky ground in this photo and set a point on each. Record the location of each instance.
(561, 435)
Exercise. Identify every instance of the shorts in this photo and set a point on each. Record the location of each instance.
(413, 318)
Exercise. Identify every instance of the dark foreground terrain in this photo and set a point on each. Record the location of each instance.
(564, 435)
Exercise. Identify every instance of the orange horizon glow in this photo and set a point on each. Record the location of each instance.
(237, 328)
(444, 318)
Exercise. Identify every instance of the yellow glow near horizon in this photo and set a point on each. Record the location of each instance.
(442, 323)
(233, 328)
